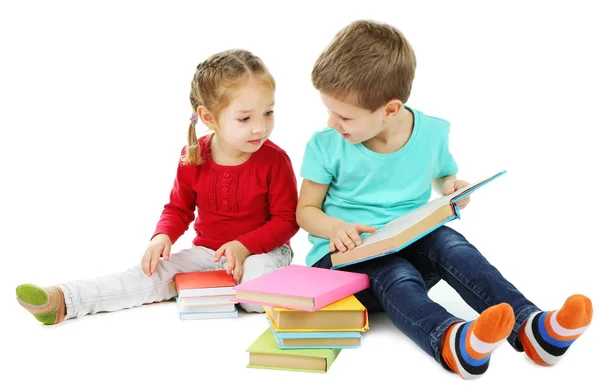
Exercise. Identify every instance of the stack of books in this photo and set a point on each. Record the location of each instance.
(312, 315)
(205, 295)
(336, 326)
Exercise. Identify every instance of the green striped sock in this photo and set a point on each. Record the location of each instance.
(46, 304)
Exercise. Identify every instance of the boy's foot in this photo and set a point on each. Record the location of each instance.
(546, 336)
(467, 346)
(46, 304)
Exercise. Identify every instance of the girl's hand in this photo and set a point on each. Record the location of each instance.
(345, 236)
(235, 253)
(452, 185)
(160, 245)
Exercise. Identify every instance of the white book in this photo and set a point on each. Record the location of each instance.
(182, 308)
(207, 300)
(208, 315)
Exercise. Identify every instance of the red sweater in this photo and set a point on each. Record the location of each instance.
(254, 203)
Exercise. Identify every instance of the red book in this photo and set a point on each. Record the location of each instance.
(208, 283)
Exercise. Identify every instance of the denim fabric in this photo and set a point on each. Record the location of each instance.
(400, 282)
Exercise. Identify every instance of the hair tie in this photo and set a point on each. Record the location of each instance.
(194, 118)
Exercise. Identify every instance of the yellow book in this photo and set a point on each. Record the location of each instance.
(347, 314)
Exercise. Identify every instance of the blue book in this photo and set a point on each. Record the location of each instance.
(317, 339)
(408, 228)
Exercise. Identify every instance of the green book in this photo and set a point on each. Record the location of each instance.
(264, 353)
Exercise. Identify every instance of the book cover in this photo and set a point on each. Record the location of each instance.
(207, 300)
(301, 287)
(208, 315)
(264, 353)
(347, 314)
(317, 339)
(408, 228)
(189, 309)
(207, 283)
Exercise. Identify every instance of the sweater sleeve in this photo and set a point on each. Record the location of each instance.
(178, 213)
(283, 199)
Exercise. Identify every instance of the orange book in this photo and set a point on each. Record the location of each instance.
(208, 283)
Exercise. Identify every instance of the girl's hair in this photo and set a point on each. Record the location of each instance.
(212, 85)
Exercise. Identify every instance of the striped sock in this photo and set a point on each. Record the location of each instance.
(467, 346)
(46, 304)
(546, 336)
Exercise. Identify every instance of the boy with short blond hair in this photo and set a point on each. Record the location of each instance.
(379, 159)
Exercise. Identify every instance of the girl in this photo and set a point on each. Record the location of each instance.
(242, 184)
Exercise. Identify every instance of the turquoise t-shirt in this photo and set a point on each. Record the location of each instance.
(372, 188)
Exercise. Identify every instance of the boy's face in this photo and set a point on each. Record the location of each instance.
(354, 123)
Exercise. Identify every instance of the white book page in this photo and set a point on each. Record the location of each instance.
(405, 221)
(411, 218)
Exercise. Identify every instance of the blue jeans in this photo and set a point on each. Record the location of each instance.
(400, 282)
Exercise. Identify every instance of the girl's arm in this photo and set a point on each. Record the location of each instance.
(283, 199)
(178, 213)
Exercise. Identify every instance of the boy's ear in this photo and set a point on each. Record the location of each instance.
(207, 117)
(393, 107)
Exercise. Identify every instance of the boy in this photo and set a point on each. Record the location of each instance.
(377, 160)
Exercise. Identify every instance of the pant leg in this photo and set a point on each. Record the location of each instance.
(399, 288)
(132, 287)
(261, 264)
(447, 253)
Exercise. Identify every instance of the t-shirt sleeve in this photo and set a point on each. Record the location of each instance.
(313, 166)
(447, 165)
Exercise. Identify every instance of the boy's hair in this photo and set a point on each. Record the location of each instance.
(367, 63)
(213, 83)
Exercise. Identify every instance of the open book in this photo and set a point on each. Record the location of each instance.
(408, 228)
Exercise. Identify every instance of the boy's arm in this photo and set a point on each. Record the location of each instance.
(309, 213)
(438, 183)
(449, 184)
(342, 235)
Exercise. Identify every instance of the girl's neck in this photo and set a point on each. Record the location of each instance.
(224, 154)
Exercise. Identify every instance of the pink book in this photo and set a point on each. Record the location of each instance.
(302, 288)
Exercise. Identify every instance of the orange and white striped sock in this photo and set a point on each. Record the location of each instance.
(546, 336)
(467, 346)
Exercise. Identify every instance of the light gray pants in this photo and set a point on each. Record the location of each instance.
(133, 288)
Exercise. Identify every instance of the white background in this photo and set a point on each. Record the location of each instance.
(94, 112)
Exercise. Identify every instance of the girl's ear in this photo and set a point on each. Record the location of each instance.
(207, 117)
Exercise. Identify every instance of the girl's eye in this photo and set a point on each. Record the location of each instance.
(269, 113)
(245, 119)
(344, 119)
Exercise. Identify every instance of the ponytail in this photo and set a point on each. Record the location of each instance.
(192, 155)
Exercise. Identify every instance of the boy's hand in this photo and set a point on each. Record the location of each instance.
(160, 245)
(345, 236)
(451, 185)
(235, 253)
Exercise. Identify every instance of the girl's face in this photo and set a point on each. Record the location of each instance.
(247, 122)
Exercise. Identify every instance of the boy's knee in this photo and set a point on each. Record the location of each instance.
(445, 238)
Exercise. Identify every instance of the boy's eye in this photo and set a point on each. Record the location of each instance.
(245, 119)
(269, 113)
